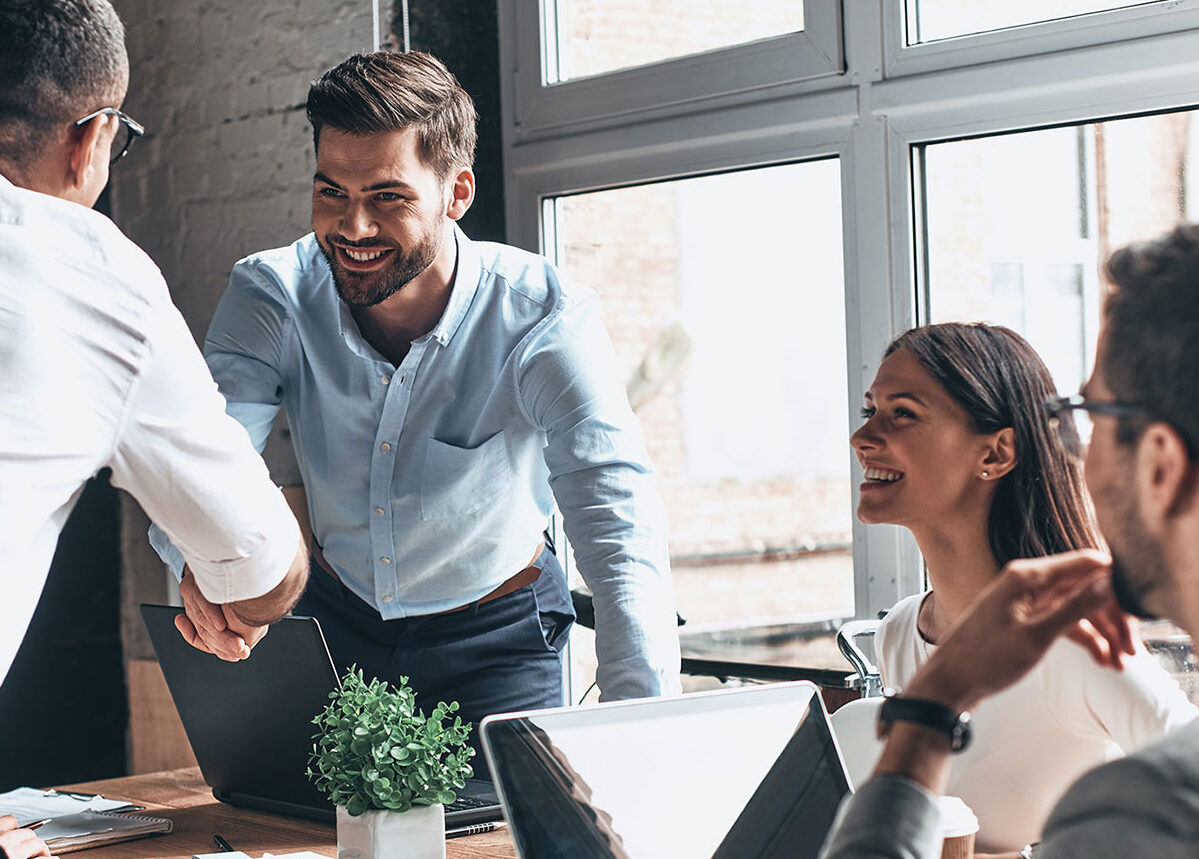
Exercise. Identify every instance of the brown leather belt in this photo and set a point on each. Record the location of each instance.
(524, 577)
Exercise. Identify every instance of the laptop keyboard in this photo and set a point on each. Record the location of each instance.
(463, 803)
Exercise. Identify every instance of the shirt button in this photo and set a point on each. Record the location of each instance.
(386, 446)
(379, 511)
(385, 559)
(388, 597)
(386, 380)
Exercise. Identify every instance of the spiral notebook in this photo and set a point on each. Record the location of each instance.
(86, 829)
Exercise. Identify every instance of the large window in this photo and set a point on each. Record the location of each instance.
(589, 37)
(859, 166)
(1018, 225)
(723, 339)
(930, 20)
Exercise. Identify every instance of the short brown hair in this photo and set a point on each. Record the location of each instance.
(1151, 333)
(387, 91)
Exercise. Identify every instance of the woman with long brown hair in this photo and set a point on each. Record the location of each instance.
(956, 447)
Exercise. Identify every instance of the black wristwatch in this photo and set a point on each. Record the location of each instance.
(930, 714)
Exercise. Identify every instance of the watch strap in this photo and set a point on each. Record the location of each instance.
(929, 714)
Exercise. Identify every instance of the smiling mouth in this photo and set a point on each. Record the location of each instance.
(361, 259)
(879, 476)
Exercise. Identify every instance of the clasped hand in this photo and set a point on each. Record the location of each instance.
(214, 628)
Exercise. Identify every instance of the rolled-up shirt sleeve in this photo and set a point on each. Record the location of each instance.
(196, 474)
(612, 513)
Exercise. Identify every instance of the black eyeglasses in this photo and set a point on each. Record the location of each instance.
(1070, 418)
(130, 130)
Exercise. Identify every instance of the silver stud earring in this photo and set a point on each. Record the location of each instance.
(984, 475)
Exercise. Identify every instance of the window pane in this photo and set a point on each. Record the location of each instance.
(590, 37)
(728, 320)
(929, 20)
(1018, 227)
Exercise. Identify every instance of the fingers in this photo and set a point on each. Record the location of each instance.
(206, 617)
(1057, 574)
(1086, 596)
(7, 823)
(22, 844)
(1116, 630)
(1096, 645)
(250, 634)
(188, 631)
(203, 624)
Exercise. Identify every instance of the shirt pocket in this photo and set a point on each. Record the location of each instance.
(458, 481)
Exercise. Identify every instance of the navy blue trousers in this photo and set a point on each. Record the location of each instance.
(495, 657)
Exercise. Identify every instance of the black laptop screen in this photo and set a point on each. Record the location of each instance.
(746, 773)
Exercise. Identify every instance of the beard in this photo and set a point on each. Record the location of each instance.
(1128, 591)
(367, 290)
(1132, 585)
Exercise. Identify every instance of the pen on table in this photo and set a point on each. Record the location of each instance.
(475, 829)
(221, 844)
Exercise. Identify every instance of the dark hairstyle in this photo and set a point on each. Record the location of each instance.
(386, 91)
(1150, 333)
(1040, 506)
(60, 60)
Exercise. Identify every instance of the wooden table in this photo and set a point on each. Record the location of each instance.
(182, 796)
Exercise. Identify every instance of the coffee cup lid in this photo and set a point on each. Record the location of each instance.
(956, 818)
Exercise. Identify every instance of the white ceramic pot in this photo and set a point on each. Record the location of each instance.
(418, 833)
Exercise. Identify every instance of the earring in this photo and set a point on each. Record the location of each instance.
(984, 475)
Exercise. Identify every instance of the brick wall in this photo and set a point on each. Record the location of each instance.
(225, 168)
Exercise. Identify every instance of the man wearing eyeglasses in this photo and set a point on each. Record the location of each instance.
(1142, 468)
(97, 367)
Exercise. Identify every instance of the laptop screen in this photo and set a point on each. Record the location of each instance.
(742, 773)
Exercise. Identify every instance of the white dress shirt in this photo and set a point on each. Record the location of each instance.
(98, 368)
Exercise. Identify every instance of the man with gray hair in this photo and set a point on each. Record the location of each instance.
(97, 367)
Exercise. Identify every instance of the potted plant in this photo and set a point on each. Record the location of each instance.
(388, 768)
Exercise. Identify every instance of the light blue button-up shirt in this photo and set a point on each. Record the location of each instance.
(429, 483)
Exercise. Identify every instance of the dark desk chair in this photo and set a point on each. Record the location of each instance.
(836, 686)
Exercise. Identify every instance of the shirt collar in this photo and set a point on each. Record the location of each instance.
(462, 293)
(468, 269)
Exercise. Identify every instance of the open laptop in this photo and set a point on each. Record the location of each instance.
(250, 722)
(750, 773)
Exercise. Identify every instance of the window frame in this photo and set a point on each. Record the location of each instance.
(734, 75)
(889, 100)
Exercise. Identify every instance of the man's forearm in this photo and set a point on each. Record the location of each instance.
(276, 603)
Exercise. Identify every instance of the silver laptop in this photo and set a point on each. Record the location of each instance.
(749, 773)
(250, 723)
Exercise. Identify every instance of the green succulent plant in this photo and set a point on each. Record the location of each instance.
(375, 750)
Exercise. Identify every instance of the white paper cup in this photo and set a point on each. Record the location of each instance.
(959, 827)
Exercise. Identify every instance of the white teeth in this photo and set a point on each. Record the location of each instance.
(883, 475)
(362, 256)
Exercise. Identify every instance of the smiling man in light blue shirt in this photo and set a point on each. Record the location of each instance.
(443, 395)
